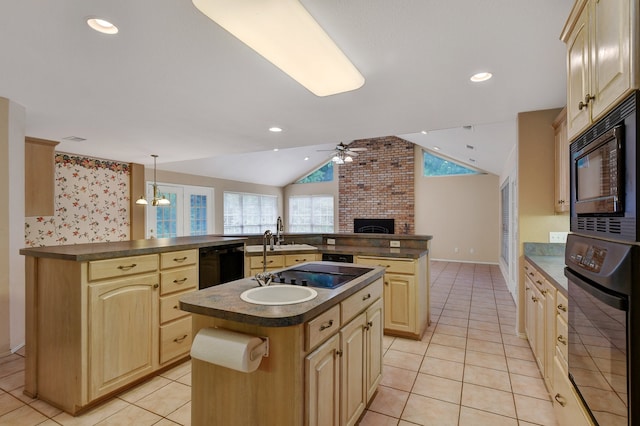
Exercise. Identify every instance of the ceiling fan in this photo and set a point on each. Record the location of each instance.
(344, 154)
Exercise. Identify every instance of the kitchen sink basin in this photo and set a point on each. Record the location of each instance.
(282, 248)
(278, 295)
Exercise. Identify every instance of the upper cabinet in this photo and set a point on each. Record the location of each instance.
(600, 36)
(39, 177)
(561, 162)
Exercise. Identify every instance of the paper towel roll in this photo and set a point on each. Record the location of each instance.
(228, 349)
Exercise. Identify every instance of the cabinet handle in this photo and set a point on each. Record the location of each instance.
(180, 339)
(526, 267)
(270, 261)
(175, 307)
(386, 283)
(539, 282)
(531, 274)
(587, 98)
(560, 399)
(127, 267)
(180, 281)
(543, 292)
(561, 202)
(562, 308)
(527, 288)
(179, 259)
(384, 266)
(535, 299)
(370, 324)
(365, 327)
(326, 325)
(156, 285)
(368, 296)
(562, 339)
(301, 260)
(339, 352)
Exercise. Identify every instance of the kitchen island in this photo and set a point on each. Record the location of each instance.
(102, 317)
(324, 362)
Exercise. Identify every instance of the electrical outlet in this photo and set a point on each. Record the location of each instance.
(331, 241)
(558, 237)
(394, 243)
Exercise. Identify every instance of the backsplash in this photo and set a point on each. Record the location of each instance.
(91, 204)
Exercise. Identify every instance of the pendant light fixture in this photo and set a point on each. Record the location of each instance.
(285, 34)
(156, 201)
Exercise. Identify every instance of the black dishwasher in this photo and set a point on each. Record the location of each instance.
(220, 264)
(337, 257)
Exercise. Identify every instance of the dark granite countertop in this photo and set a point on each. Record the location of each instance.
(399, 252)
(549, 260)
(98, 251)
(223, 301)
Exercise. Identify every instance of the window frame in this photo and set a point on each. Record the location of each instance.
(313, 226)
(262, 225)
(182, 206)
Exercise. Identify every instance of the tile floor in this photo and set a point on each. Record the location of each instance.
(469, 369)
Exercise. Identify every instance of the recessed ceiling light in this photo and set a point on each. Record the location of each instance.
(74, 138)
(424, 132)
(306, 158)
(275, 129)
(481, 76)
(102, 26)
(471, 147)
(437, 148)
(275, 150)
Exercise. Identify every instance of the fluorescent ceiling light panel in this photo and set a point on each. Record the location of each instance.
(285, 34)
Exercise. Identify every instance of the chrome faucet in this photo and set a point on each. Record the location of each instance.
(279, 231)
(264, 278)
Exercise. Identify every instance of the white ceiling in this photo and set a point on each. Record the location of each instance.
(175, 84)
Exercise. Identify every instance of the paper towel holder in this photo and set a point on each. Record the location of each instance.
(262, 350)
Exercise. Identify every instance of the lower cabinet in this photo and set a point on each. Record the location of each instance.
(123, 332)
(343, 373)
(566, 405)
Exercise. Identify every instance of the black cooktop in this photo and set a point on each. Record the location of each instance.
(324, 276)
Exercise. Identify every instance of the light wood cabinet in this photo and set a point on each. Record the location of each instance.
(123, 332)
(352, 368)
(102, 325)
(39, 177)
(254, 264)
(562, 163)
(406, 294)
(322, 371)
(551, 349)
(601, 38)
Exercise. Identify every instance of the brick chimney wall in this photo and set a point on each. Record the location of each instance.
(378, 184)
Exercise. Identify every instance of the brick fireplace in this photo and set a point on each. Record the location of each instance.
(378, 184)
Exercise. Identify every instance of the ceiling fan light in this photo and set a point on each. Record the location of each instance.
(285, 34)
(348, 159)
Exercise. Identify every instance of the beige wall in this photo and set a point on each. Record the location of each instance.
(219, 187)
(12, 124)
(536, 184)
(460, 212)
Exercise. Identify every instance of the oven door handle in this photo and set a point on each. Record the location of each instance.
(612, 300)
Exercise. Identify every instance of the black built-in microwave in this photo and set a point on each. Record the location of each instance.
(604, 168)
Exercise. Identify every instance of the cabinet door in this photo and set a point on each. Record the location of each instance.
(373, 348)
(352, 341)
(399, 303)
(610, 54)
(322, 372)
(539, 348)
(566, 406)
(123, 332)
(578, 117)
(549, 332)
(530, 312)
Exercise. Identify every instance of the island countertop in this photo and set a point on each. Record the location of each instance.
(98, 251)
(223, 301)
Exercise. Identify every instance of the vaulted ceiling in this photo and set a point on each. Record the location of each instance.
(174, 83)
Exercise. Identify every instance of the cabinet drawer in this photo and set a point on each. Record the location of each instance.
(355, 304)
(562, 305)
(321, 327)
(394, 266)
(176, 259)
(170, 308)
(175, 339)
(178, 280)
(122, 266)
(293, 259)
(276, 261)
(562, 336)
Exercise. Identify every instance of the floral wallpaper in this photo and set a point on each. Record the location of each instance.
(91, 204)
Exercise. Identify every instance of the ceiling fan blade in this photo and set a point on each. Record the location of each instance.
(349, 152)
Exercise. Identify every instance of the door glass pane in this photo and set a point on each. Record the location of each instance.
(198, 214)
(167, 217)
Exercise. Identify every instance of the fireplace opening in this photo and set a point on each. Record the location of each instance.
(374, 226)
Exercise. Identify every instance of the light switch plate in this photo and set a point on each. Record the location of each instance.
(394, 243)
(558, 237)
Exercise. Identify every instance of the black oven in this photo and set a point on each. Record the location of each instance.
(604, 161)
(604, 327)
